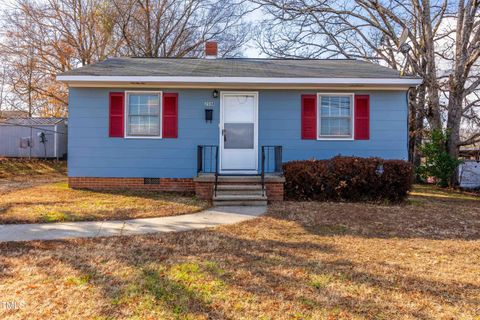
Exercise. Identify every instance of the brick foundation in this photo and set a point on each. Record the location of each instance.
(203, 187)
(274, 191)
(165, 184)
(204, 190)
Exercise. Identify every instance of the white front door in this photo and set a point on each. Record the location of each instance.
(238, 132)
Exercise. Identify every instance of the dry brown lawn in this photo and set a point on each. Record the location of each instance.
(36, 191)
(54, 202)
(418, 260)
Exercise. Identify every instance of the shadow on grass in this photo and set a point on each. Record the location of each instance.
(427, 217)
(91, 205)
(173, 275)
(290, 260)
(144, 194)
(155, 286)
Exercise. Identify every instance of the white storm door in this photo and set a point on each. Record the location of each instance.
(238, 132)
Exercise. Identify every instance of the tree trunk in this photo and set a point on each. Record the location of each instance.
(417, 156)
(417, 125)
(412, 115)
(433, 106)
(431, 82)
(455, 108)
(416, 118)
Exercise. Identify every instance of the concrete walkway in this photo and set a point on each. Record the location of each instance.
(63, 230)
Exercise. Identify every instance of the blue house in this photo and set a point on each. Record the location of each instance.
(209, 125)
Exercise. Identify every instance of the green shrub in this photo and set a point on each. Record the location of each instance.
(438, 163)
(348, 179)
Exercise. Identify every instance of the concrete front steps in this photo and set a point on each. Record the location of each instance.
(239, 190)
(230, 192)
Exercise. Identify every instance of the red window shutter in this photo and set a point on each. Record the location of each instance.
(309, 116)
(116, 114)
(170, 115)
(362, 117)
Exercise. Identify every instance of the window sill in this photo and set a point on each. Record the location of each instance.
(143, 137)
(335, 139)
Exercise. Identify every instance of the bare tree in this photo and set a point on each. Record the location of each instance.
(371, 30)
(179, 28)
(464, 79)
(43, 38)
(2, 87)
(48, 37)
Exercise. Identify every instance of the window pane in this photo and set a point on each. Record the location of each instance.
(325, 106)
(335, 116)
(134, 99)
(334, 106)
(238, 136)
(152, 100)
(143, 104)
(239, 109)
(144, 125)
(144, 114)
(335, 127)
(345, 106)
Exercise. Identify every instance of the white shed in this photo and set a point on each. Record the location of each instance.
(33, 137)
(469, 174)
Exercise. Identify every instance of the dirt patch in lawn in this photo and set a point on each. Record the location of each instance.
(301, 261)
(55, 202)
(24, 173)
(13, 167)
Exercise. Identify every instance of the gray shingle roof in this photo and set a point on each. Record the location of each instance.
(32, 121)
(236, 67)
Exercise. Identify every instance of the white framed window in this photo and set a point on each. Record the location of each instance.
(143, 114)
(335, 116)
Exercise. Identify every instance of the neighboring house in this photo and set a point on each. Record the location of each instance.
(469, 153)
(33, 137)
(134, 122)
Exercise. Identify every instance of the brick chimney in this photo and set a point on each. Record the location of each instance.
(211, 49)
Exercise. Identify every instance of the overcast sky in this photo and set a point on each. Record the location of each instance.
(251, 50)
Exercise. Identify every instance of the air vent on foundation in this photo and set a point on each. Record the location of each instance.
(151, 180)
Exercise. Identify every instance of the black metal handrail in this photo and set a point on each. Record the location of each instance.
(207, 156)
(207, 161)
(270, 154)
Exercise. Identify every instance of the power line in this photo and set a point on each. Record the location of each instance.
(31, 127)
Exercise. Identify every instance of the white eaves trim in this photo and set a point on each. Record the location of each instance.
(240, 80)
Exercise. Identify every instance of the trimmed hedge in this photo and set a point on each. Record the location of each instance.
(348, 179)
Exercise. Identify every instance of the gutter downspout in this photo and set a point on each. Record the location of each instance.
(408, 123)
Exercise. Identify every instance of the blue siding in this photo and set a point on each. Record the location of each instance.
(92, 153)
